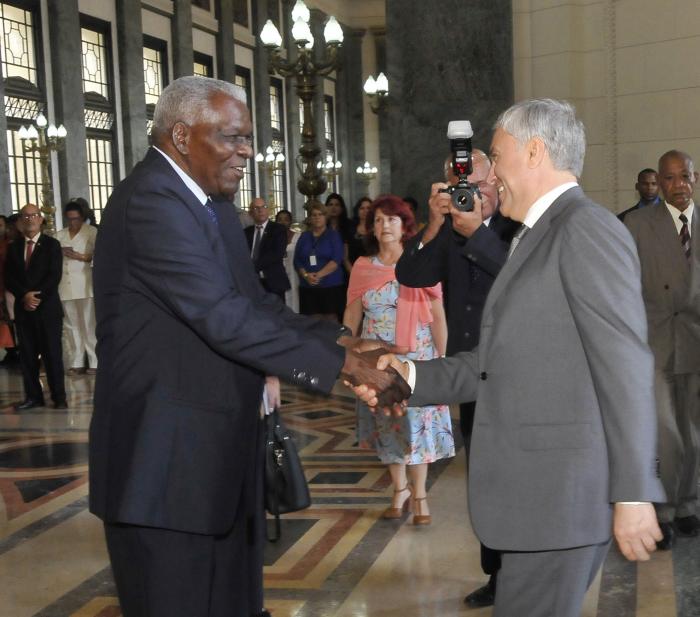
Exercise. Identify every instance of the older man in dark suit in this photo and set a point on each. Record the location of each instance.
(32, 274)
(564, 445)
(186, 337)
(268, 246)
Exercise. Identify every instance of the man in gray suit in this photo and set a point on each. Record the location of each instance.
(671, 286)
(564, 443)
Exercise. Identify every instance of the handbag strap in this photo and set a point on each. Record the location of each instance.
(273, 435)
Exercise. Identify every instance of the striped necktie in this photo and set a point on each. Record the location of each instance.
(684, 235)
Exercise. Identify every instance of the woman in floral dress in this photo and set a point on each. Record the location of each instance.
(410, 318)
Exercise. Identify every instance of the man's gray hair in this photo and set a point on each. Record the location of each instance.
(187, 100)
(555, 123)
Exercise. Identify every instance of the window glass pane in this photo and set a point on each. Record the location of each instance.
(247, 185)
(100, 170)
(18, 54)
(152, 74)
(240, 13)
(94, 60)
(278, 175)
(25, 173)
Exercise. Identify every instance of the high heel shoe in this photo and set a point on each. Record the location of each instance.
(392, 512)
(420, 519)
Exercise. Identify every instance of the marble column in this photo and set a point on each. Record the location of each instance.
(66, 66)
(181, 26)
(133, 95)
(441, 71)
(225, 48)
(261, 82)
(5, 193)
(349, 116)
(317, 24)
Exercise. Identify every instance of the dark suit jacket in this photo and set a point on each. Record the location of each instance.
(44, 275)
(468, 267)
(563, 378)
(273, 248)
(185, 336)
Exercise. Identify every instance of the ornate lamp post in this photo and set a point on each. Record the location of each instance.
(366, 173)
(270, 162)
(377, 90)
(305, 69)
(43, 140)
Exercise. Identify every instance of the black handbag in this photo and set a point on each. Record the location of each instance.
(285, 485)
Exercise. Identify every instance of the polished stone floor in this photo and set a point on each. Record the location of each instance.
(338, 558)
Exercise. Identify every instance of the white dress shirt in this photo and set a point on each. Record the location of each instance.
(676, 213)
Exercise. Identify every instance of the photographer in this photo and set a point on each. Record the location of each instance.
(464, 251)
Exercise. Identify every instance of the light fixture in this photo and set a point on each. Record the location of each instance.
(42, 140)
(378, 91)
(270, 162)
(366, 172)
(305, 69)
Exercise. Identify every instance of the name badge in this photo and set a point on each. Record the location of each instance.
(312, 260)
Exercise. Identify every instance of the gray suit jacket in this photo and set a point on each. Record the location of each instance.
(671, 287)
(565, 422)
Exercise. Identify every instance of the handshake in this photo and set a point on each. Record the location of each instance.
(381, 388)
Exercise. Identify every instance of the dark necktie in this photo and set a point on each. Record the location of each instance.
(210, 211)
(256, 243)
(684, 235)
(28, 254)
(522, 230)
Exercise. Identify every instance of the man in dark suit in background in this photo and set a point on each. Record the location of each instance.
(32, 274)
(648, 188)
(186, 337)
(268, 245)
(564, 445)
(465, 251)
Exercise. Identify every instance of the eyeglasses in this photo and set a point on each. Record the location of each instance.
(29, 217)
(242, 140)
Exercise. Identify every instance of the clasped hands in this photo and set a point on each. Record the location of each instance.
(376, 377)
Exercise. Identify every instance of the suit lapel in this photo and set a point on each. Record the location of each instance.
(530, 240)
(666, 234)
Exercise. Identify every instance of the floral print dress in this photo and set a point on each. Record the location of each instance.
(423, 434)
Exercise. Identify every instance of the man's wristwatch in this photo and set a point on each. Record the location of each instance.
(344, 331)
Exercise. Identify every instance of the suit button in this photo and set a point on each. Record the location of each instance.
(470, 256)
(467, 335)
(666, 287)
(483, 376)
(468, 307)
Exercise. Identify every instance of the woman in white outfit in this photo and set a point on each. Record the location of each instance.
(291, 297)
(78, 243)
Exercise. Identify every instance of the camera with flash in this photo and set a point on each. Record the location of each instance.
(460, 133)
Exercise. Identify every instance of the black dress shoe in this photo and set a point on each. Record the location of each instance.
(60, 405)
(29, 403)
(669, 538)
(688, 526)
(484, 596)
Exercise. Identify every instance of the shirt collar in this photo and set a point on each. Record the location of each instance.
(675, 212)
(189, 182)
(542, 204)
(34, 239)
(263, 225)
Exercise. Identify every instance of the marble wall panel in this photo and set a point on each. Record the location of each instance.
(458, 64)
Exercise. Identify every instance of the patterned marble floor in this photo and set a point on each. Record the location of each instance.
(336, 559)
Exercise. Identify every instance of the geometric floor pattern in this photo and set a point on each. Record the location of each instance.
(337, 558)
